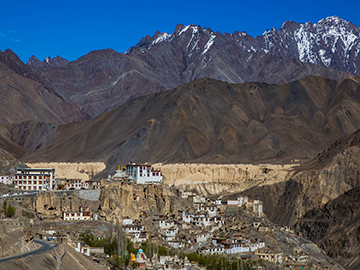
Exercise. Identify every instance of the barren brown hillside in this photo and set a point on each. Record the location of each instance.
(215, 122)
(25, 95)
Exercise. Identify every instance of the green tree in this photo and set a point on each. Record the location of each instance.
(5, 206)
(116, 261)
(8, 209)
(130, 247)
(193, 256)
(11, 210)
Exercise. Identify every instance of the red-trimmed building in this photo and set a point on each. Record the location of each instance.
(143, 174)
(34, 179)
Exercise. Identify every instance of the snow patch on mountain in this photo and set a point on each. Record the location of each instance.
(209, 44)
(162, 37)
(184, 30)
(304, 41)
(326, 61)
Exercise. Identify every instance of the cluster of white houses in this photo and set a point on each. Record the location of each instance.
(135, 230)
(200, 227)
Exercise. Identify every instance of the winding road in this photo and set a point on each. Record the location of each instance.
(45, 246)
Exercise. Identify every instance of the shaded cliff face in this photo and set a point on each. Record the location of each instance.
(311, 188)
(335, 228)
(333, 172)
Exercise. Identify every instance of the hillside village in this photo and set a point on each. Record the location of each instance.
(135, 204)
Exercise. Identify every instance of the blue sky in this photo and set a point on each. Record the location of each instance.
(73, 28)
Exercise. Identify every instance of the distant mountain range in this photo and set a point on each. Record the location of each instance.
(103, 80)
(58, 61)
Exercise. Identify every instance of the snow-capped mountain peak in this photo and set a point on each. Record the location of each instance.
(331, 42)
(162, 37)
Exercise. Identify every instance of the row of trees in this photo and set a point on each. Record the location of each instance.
(120, 249)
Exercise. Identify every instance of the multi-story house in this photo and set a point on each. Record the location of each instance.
(143, 173)
(34, 179)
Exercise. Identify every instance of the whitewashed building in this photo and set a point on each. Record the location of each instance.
(258, 208)
(143, 174)
(212, 250)
(175, 244)
(139, 237)
(133, 228)
(233, 202)
(164, 224)
(186, 217)
(199, 199)
(210, 209)
(243, 201)
(169, 232)
(6, 179)
(34, 179)
(83, 214)
(201, 220)
(202, 237)
(127, 221)
(73, 184)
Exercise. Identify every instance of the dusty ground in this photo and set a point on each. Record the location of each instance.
(62, 257)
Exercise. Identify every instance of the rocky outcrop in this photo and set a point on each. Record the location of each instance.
(53, 204)
(118, 200)
(8, 163)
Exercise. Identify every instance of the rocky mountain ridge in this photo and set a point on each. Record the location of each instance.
(58, 61)
(331, 42)
(27, 95)
(103, 80)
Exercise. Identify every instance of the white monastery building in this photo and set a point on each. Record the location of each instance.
(143, 174)
(34, 179)
(83, 214)
(6, 179)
